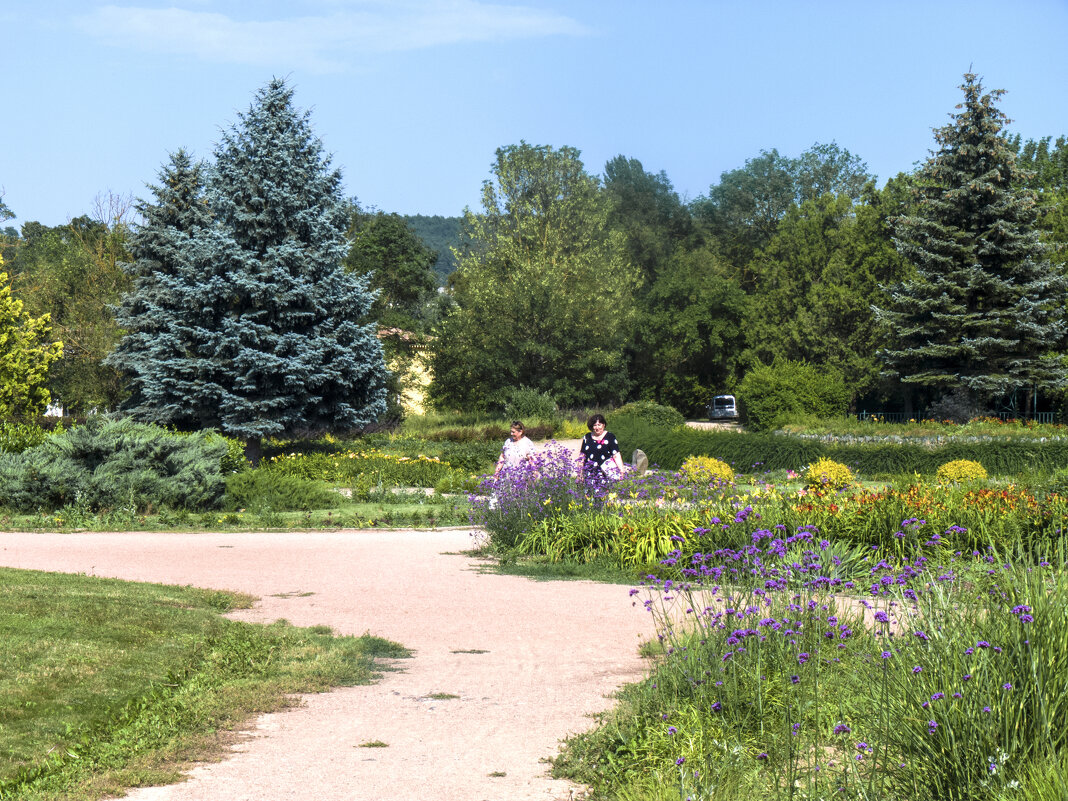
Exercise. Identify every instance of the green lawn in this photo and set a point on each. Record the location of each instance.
(106, 684)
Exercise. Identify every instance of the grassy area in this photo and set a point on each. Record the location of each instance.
(352, 515)
(106, 684)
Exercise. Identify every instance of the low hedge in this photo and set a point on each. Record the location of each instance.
(746, 452)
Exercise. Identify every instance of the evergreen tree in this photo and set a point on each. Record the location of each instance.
(985, 309)
(163, 335)
(272, 339)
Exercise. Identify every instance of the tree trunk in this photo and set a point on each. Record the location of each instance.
(253, 450)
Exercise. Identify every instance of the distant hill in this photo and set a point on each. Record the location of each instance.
(438, 233)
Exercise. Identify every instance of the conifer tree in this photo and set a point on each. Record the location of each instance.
(163, 335)
(985, 309)
(269, 335)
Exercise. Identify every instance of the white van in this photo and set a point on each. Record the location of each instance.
(722, 407)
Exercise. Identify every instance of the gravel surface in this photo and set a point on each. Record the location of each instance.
(530, 662)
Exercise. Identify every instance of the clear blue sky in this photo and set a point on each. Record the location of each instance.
(413, 97)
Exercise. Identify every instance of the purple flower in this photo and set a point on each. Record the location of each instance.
(936, 696)
(1006, 686)
(680, 760)
(967, 677)
(917, 669)
(982, 644)
(762, 756)
(802, 658)
(931, 726)
(672, 731)
(922, 635)
(795, 679)
(842, 728)
(886, 654)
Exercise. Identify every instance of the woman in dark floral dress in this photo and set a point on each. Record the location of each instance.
(600, 459)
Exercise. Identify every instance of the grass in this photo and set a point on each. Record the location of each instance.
(106, 685)
(405, 514)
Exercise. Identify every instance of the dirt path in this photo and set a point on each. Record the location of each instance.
(530, 661)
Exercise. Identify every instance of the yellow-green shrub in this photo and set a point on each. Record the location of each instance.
(704, 470)
(572, 429)
(961, 471)
(828, 474)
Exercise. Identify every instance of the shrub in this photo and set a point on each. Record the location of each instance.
(108, 464)
(17, 437)
(771, 395)
(651, 413)
(572, 429)
(957, 406)
(705, 470)
(526, 404)
(828, 474)
(961, 471)
(270, 489)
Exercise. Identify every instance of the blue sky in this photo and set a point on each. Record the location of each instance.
(413, 97)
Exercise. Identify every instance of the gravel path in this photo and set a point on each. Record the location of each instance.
(530, 661)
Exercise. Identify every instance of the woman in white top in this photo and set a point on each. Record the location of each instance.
(517, 449)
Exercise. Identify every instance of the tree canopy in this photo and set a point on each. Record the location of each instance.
(544, 292)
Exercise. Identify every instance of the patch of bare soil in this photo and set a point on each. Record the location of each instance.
(503, 669)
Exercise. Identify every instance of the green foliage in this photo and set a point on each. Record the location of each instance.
(875, 458)
(816, 282)
(527, 404)
(544, 291)
(961, 471)
(17, 437)
(384, 248)
(744, 209)
(985, 310)
(26, 354)
(827, 474)
(271, 489)
(705, 470)
(689, 334)
(385, 469)
(111, 464)
(74, 274)
(654, 414)
(441, 235)
(770, 395)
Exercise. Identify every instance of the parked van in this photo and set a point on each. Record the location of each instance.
(722, 407)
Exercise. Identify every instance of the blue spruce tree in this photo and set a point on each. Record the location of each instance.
(984, 313)
(157, 353)
(268, 329)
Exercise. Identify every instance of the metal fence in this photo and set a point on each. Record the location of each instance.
(899, 417)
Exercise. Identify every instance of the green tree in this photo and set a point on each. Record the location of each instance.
(25, 356)
(544, 292)
(397, 264)
(74, 274)
(985, 310)
(647, 210)
(817, 281)
(1044, 170)
(743, 211)
(689, 336)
